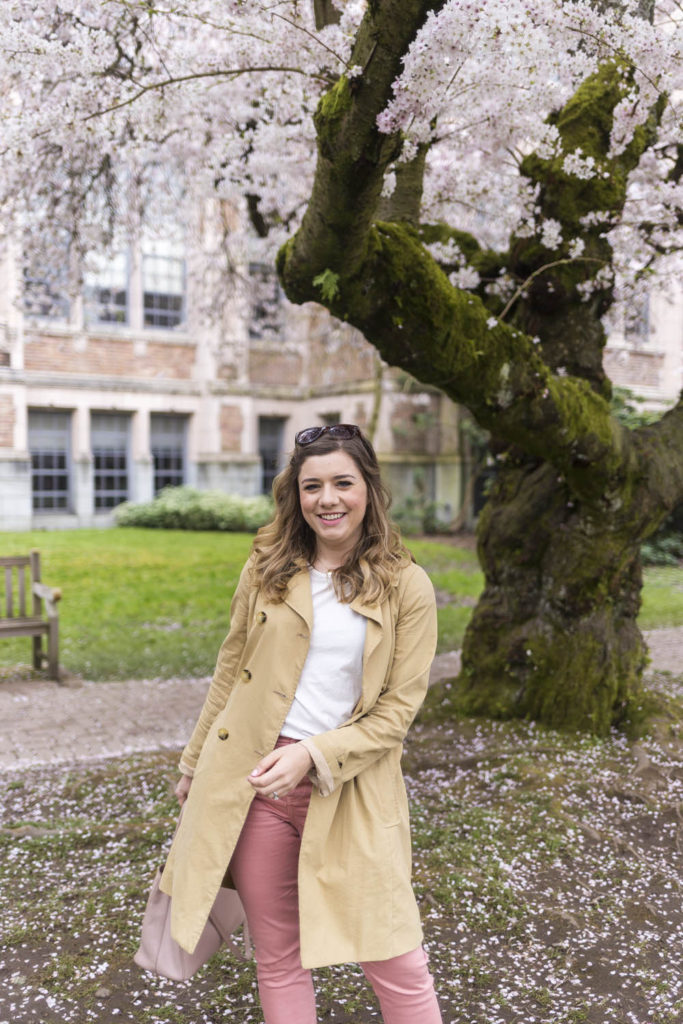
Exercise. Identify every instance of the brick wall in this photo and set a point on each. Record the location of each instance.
(340, 358)
(111, 357)
(415, 425)
(633, 369)
(7, 418)
(231, 423)
(275, 367)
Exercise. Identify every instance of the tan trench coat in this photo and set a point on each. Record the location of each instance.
(355, 897)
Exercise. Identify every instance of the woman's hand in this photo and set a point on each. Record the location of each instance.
(281, 770)
(183, 788)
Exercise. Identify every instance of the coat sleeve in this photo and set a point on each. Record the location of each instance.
(340, 754)
(224, 675)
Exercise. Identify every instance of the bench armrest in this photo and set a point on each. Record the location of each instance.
(50, 595)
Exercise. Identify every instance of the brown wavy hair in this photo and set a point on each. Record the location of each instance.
(287, 544)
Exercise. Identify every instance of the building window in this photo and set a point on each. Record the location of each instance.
(109, 440)
(48, 441)
(271, 430)
(637, 324)
(266, 301)
(167, 441)
(107, 290)
(163, 285)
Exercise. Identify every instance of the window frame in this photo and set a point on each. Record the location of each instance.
(39, 497)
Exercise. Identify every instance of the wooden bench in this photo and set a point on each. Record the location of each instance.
(23, 586)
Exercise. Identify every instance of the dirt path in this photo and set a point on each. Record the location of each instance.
(666, 649)
(44, 723)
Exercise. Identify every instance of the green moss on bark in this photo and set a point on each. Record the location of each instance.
(554, 635)
(331, 110)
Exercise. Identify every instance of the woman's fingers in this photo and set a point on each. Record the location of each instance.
(281, 770)
(266, 762)
(183, 788)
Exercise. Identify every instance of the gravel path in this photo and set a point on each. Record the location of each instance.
(666, 650)
(45, 723)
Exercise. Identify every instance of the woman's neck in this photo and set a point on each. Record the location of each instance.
(326, 559)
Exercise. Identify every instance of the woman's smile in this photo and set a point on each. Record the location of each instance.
(333, 497)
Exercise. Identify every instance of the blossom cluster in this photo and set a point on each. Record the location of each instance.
(107, 108)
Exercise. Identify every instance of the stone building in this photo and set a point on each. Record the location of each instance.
(127, 388)
(647, 356)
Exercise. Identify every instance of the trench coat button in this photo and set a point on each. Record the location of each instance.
(246, 675)
(261, 617)
(223, 734)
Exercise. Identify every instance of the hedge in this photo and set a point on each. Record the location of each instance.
(186, 508)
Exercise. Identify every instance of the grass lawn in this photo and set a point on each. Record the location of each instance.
(136, 603)
(154, 604)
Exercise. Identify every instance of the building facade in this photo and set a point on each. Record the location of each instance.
(647, 356)
(125, 389)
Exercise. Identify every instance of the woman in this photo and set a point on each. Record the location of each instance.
(292, 776)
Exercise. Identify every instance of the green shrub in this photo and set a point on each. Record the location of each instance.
(186, 508)
(415, 516)
(663, 548)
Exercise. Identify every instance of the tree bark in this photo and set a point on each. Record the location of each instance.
(554, 636)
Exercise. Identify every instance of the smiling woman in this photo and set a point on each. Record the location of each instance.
(333, 497)
(332, 634)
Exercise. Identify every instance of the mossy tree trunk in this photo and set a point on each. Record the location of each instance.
(554, 636)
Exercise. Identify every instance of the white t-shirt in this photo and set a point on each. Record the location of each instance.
(331, 680)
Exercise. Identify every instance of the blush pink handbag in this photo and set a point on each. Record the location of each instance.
(160, 953)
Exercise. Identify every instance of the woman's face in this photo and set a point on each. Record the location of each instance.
(333, 497)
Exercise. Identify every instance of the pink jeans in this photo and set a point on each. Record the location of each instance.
(264, 869)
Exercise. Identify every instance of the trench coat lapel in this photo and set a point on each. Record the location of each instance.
(299, 598)
(373, 635)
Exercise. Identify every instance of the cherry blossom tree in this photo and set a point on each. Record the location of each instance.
(478, 186)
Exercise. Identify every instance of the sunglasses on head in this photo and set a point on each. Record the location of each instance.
(340, 431)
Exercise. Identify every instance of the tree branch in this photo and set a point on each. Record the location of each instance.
(402, 301)
(388, 286)
(541, 270)
(352, 153)
(164, 83)
(405, 202)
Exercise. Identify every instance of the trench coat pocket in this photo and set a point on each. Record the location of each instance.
(384, 790)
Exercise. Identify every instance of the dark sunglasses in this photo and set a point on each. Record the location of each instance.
(340, 431)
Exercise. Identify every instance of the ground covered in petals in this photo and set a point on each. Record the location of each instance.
(548, 868)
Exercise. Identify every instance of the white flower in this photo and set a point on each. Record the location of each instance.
(465, 277)
(551, 233)
(576, 247)
(578, 165)
(389, 184)
(445, 252)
